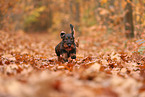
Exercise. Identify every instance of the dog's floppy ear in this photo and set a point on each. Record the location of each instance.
(72, 29)
(62, 34)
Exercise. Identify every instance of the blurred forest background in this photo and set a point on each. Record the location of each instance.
(55, 15)
(110, 58)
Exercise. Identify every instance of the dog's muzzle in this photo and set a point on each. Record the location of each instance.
(69, 45)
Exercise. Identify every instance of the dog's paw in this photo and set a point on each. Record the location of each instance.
(73, 57)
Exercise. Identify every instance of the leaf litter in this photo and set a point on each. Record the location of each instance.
(29, 68)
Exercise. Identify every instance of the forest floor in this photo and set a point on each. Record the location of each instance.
(107, 65)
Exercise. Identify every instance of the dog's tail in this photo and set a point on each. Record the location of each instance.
(73, 33)
(72, 29)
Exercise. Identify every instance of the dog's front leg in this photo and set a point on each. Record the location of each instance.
(73, 54)
(65, 56)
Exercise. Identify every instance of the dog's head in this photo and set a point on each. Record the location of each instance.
(68, 39)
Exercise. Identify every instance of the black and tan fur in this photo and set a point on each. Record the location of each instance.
(67, 47)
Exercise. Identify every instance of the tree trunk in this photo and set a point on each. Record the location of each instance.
(71, 10)
(1, 17)
(97, 12)
(50, 14)
(128, 19)
(77, 17)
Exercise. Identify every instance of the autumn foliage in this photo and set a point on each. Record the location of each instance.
(108, 64)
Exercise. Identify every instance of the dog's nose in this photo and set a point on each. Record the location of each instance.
(69, 45)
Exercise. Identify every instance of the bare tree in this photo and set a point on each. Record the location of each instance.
(71, 9)
(77, 17)
(128, 19)
(1, 17)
